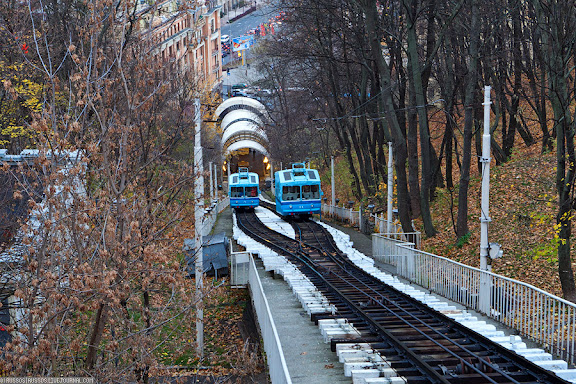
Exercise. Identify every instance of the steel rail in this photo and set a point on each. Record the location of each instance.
(414, 358)
(393, 304)
(330, 253)
(315, 264)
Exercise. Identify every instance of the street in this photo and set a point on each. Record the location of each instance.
(241, 26)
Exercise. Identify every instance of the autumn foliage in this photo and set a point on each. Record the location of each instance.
(100, 284)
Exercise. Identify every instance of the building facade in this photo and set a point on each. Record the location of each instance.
(187, 38)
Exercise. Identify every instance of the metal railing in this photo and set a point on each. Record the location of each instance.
(542, 317)
(369, 223)
(212, 214)
(274, 355)
(346, 215)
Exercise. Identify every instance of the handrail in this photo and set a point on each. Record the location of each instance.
(542, 317)
(359, 219)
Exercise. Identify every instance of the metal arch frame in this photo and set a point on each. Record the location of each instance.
(237, 114)
(246, 144)
(240, 102)
(241, 128)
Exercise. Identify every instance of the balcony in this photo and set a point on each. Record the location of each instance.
(215, 34)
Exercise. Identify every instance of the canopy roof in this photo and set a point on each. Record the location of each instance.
(246, 144)
(242, 120)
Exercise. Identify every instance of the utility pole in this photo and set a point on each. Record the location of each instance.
(198, 226)
(333, 185)
(211, 181)
(485, 160)
(485, 291)
(390, 188)
(215, 181)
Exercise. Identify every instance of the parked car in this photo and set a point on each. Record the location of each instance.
(238, 92)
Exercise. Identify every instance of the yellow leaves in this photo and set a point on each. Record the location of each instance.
(31, 92)
(14, 131)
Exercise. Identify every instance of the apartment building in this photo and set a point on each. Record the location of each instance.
(188, 38)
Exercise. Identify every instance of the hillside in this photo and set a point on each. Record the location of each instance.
(522, 209)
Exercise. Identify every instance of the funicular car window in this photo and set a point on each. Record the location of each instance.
(296, 192)
(251, 191)
(236, 192)
(315, 189)
(285, 193)
(306, 192)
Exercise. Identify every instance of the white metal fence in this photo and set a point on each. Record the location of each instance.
(536, 314)
(369, 223)
(346, 215)
(274, 355)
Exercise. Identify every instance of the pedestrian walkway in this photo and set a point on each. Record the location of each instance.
(308, 357)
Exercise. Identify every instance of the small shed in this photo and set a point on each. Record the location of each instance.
(215, 255)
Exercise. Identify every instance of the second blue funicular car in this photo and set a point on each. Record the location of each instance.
(298, 191)
(244, 189)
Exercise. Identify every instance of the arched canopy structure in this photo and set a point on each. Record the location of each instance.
(242, 120)
(247, 144)
(244, 142)
(240, 115)
(240, 102)
(242, 128)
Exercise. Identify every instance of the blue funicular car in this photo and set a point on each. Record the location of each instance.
(244, 189)
(298, 191)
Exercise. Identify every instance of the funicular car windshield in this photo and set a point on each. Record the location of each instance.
(291, 192)
(310, 192)
(251, 191)
(237, 192)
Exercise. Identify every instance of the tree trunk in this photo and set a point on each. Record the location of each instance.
(96, 336)
(462, 219)
(375, 37)
(413, 173)
(420, 98)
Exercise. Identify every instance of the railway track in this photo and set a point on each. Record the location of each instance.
(422, 345)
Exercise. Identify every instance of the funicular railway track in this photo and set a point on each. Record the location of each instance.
(422, 345)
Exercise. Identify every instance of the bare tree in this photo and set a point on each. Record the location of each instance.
(100, 287)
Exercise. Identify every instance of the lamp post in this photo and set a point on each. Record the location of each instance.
(198, 225)
(334, 202)
(390, 188)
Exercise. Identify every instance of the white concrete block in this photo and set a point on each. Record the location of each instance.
(553, 365)
(566, 374)
(349, 367)
(359, 375)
